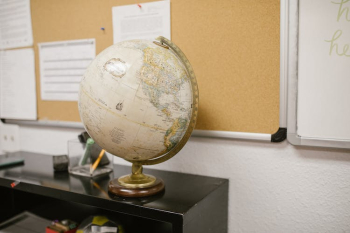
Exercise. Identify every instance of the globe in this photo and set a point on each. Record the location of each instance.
(138, 100)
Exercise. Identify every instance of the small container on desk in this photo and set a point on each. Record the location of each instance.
(88, 159)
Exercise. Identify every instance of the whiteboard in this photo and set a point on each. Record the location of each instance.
(319, 73)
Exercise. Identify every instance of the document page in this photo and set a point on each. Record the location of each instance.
(141, 21)
(15, 24)
(17, 84)
(62, 65)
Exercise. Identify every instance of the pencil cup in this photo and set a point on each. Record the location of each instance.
(88, 159)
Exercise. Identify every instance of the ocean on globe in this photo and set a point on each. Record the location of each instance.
(136, 100)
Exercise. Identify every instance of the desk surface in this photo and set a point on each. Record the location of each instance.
(181, 195)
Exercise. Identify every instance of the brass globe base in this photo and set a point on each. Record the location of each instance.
(136, 185)
(136, 181)
(115, 188)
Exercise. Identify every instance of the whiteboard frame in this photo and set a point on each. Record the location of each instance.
(292, 17)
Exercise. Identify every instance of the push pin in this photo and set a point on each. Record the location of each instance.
(139, 5)
(102, 28)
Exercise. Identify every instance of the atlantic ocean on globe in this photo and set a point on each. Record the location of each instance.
(138, 100)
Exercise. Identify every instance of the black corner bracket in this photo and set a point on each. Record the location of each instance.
(280, 135)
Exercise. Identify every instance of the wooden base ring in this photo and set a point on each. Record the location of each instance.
(115, 188)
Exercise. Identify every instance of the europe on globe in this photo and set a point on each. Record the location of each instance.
(138, 100)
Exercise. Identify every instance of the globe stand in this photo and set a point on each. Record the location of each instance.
(136, 184)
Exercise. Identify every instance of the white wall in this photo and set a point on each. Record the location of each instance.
(273, 187)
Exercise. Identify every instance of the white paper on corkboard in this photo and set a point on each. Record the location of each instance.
(141, 21)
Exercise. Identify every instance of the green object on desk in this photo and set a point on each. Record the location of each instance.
(89, 143)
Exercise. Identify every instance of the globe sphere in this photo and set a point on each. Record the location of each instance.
(136, 100)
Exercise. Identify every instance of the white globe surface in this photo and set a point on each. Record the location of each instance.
(135, 100)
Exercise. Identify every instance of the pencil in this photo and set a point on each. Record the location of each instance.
(94, 166)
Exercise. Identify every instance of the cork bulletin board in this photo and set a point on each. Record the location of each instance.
(233, 47)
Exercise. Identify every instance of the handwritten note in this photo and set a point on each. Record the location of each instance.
(343, 15)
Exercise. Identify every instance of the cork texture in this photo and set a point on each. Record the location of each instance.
(233, 47)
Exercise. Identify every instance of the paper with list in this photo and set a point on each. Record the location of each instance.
(62, 65)
(17, 84)
(141, 21)
(15, 24)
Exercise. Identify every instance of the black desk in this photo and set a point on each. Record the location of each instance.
(189, 204)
